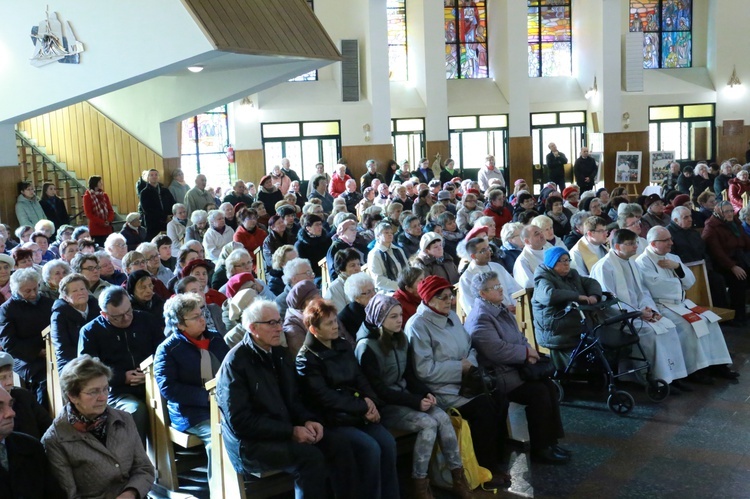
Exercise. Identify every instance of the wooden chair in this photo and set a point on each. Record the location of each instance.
(700, 293)
(54, 392)
(325, 276)
(225, 481)
(459, 309)
(744, 199)
(260, 266)
(525, 317)
(724, 195)
(163, 436)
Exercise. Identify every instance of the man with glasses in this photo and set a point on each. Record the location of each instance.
(123, 338)
(618, 274)
(479, 252)
(592, 247)
(667, 279)
(265, 425)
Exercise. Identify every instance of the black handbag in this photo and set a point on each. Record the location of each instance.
(477, 381)
(542, 369)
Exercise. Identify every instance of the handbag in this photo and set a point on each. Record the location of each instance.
(542, 369)
(440, 473)
(477, 381)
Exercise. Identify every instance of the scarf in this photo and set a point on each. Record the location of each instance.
(96, 426)
(201, 344)
(100, 205)
(391, 269)
(183, 222)
(562, 218)
(210, 325)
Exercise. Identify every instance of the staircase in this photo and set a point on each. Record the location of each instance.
(39, 167)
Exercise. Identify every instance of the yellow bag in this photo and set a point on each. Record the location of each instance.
(440, 474)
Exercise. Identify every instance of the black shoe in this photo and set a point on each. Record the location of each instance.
(724, 372)
(562, 450)
(700, 379)
(549, 456)
(500, 479)
(680, 386)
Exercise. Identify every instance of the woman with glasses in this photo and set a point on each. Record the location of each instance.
(94, 450)
(188, 358)
(386, 260)
(28, 209)
(556, 286)
(74, 309)
(88, 266)
(443, 359)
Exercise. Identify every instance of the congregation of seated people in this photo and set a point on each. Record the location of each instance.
(337, 317)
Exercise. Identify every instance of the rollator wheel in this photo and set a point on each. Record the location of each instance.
(560, 391)
(620, 402)
(657, 390)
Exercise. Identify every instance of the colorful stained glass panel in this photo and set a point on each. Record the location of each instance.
(667, 41)
(549, 37)
(466, 39)
(397, 49)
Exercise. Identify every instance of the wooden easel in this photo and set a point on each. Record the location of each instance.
(630, 189)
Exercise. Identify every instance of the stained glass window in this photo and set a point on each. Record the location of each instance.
(312, 75)
(466, 39)
(667, 35)
(550, 38)
(205, 139)
(397, 60)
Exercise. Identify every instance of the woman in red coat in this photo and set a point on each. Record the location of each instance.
(98, 210)
(737, 187)
(248, 233)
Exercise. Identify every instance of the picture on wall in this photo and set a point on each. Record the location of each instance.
(628, 170)
(659, 162)
(598, 158)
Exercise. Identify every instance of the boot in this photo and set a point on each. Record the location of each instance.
(422, 488)
(460, 485)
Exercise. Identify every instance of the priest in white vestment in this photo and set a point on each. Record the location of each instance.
(479, 252)
(591, 247)
(531, 257)
(667, 279)
(617, 274)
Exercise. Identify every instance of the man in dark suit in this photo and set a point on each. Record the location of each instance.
(24, 470)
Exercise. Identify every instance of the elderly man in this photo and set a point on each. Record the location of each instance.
(265, 425)
(667, 279)
(351, 196)
(287, 169)
(655, 215)
(585, 170)
(489, 172)
(670, 181)
(238, 195)
(32, 419)
(123, 338)
(197, 198)
(116, 246)
(372, 173)
(531, 257)
(721, 182)
(556, 162)
(479, 252)
(618, 274)
(295, 270)
(592, 247)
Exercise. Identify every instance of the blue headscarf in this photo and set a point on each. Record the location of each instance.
(552, 255)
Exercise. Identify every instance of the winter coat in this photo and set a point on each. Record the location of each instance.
(312, 248)
(250, 240)
(97, 225)
(273, 242)
(21, 325)
(66, 326)
(156, 203)
(736, 190)
(30, 475)
(445, 269)
(28, 211)
(55, 211)
(133, 237)
(726, 248)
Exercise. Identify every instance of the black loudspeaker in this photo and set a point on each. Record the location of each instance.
(350, 70)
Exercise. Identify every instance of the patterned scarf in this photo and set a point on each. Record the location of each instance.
(100, 206)
(562, 218)
(96, 426)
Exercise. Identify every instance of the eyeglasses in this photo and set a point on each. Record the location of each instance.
(629, 243)
(195, 318)
(600, 230)
(308, 273)
(367, 292)
(445, 297)
(153, 257)
(95, 393)
(273, 323)
(137, 262)
(564, 261)
(91, 269)
(242, 264)
(484, 251)
(120, 317)
(662, 240)
(497, 287)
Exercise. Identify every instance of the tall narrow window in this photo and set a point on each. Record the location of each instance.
(550, 38)
(397, 59)
(204, 141)
(312, 75)
(466, 39)
(667, 32)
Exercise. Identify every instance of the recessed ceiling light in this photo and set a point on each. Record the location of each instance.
(195, 69)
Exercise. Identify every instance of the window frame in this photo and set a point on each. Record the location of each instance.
(299, 137)
(503, 130)
(390, 8)
(682, 119)
(198, 153)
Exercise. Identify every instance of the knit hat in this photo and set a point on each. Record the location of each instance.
(428, 238)
(473, 191)
(552, 255)
(7, 259)
(285, 209)
(568, 191)
(519, 181)
(378, 308)
(7, 360)
(345, 225)
(239, 206)
(132, 217)
(680, 199)
(187, 269)
(430, 286)
(651, 200)
(301, 293)
(444, 196)
(133, 279)
(477, 232)
(237, 281)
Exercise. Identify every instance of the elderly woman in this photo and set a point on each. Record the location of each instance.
(432, 261)
(88, 265)
(239, 261)
(334, 387)
(359, 289)
(294, 327)
(556, 286)
(211, 311)
(140, 287)
(345, 238)
(52, 274)
(23, 233)
(219, 277)
(22, 258)
(68, 249)
(7, 264)
(737, 187)
(385, 261)
(595, 207)
(547, 225)
(468, 206)
(346, 262)
(229, 216)
(197, 227)
(177, 227)
(22, 319)
(199, 269)
(188, 358)
(443, 359)
(382, 351)
(409, 237)
(276, 273)
(94, 450)
(560, 216)
(74, 309)
(368, 197)
(217, 236)
(312, 242)
(502, 347)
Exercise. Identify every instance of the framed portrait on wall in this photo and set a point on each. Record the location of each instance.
(659, 162)
(628, 167)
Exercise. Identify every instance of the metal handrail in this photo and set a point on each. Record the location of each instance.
(77, 184)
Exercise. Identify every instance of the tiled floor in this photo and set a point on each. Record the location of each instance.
(693, 445)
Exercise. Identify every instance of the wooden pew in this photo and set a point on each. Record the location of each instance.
(162, 435)
(459, 309)
(260, 266)
(700, 293)
(54, 392)
(325, 276)
(525, 317)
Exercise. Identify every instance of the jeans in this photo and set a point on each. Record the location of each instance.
(374, 448)
(136, 408)
(203, 431)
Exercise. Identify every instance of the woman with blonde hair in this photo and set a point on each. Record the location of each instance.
(274, 276)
